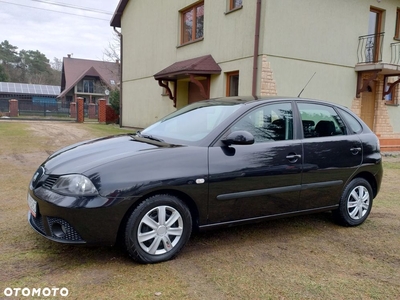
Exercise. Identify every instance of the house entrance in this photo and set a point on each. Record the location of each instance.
(194, 92)
(368, 105)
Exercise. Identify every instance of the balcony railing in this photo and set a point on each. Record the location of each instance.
(395, 53)
(370, 48)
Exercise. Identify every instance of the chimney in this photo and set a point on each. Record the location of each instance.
(69, 55)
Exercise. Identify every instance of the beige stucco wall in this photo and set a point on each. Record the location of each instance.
(298, 38)
(303, 37)
(151, 43)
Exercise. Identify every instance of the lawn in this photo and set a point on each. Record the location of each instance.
(306, 257)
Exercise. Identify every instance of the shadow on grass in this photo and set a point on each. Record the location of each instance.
(200, 242)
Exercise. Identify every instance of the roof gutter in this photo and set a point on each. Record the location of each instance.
(256, 52)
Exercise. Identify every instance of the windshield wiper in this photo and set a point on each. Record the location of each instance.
(148, 136)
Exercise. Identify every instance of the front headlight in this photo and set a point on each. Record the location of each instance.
(75, 185)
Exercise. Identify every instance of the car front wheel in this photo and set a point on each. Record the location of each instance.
(355, 203)
(158, 229)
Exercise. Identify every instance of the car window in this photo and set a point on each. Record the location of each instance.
(320, 120)
(353, 123)
(193, 122)
(273, 122)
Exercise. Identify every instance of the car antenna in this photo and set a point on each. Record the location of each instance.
(306, 85)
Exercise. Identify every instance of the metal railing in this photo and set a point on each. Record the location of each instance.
(370, 48)
(45, 109)
(395, 53)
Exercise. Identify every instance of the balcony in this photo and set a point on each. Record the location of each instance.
(372, 55)
(370, 48)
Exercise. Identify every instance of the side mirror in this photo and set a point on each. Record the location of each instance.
(239, 138)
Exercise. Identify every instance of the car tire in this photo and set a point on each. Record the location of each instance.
(355, 203)
(158, 229)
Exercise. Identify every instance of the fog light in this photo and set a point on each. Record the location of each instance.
(58, 230)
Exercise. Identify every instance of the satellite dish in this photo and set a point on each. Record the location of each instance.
(107, 92)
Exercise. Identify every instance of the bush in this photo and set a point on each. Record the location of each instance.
(114, 100)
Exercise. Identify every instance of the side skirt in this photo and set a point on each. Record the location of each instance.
(263, 218)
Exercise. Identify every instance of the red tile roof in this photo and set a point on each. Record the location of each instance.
(199, 65)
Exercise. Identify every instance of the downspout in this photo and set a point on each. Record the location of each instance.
(120, 75)
(256, 52)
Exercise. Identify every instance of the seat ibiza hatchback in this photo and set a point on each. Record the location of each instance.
(213, 163)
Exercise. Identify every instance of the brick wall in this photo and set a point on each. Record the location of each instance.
(268, 84)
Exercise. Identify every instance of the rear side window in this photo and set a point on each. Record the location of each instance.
(352, 122)
(320, 120)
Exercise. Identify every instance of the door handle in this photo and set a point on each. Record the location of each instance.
(293, 157)
(355, 150)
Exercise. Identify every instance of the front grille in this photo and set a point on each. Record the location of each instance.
(69, 233)
(50, 181)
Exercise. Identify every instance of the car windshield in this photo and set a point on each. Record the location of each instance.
(193, 122)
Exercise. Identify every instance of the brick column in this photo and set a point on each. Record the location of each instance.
(80, 110)
(13, 108)
(72, 110)
(102, 110)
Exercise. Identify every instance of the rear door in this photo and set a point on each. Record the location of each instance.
(261, 179)
(331, 155)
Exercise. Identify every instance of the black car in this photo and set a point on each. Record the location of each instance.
(213, 163)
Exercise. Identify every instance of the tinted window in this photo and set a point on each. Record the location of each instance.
(193, 122)
(320, 120)
(272, 122)
(352, 122)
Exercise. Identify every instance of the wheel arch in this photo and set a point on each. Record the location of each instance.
(189, 202)
(371, 180)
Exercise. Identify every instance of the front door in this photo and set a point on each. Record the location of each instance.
(368, 106)
(262, 179)
(194, 92)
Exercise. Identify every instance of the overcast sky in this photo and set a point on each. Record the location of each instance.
(58, 29)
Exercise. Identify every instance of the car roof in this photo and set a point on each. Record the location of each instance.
(248, 100)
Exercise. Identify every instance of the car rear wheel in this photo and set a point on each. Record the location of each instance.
(158, 229)
(355, 203)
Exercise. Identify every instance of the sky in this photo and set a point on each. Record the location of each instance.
(57, 28)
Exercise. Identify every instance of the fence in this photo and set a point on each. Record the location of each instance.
(44, 109)
(78, 111)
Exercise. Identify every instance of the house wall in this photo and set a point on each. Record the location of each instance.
(313, 36)
(297, 39)
(226, 38)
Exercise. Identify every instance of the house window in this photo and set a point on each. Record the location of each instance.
(233, 4)
(392, 98)
(192, 23)
(232, 83)
(397, 30)
(88, 86)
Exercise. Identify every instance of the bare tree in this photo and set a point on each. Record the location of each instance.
(112, 53)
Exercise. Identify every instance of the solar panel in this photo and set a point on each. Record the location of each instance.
(24, 88)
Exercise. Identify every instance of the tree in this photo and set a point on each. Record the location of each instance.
(114, 100)
(3, 74)
(28, 66)
(112, 53)
(9, 59)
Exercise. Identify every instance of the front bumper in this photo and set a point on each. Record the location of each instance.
(55, 229)
(71, 220)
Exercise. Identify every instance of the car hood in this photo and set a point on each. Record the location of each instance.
(82, 157)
